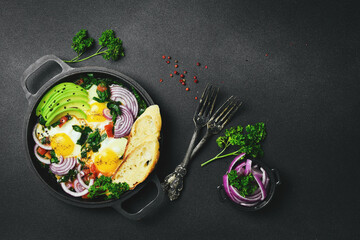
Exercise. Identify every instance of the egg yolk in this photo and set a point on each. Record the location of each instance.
(107, 162)
(95, 113)
(62, 144)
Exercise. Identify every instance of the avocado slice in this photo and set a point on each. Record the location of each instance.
(71, 91)
(82, 105)
(67, 98)
(50, 93)
(71, 111)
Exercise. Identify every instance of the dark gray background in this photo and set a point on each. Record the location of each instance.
(306, 90)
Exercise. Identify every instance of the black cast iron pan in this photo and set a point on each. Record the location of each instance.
(69, 74)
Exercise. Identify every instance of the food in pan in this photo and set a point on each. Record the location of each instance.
(244, 183)
(84, 129)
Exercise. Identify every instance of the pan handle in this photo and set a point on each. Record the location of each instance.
(34, 67)
(150, 207)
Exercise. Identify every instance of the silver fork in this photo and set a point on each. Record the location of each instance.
(217, 122)
(173, 183)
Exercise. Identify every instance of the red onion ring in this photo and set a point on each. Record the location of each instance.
(79, 178)
(261, 186)
(64, 166)
(74, 194)
(126, 97)
(78, 187)
(123, 123)
(248, 167)
(41, 159)
(236, 159)
(107, 114)
(46, 147)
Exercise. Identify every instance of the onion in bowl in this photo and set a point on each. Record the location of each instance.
(246, 170)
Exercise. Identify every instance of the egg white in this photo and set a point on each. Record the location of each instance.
(69, 131)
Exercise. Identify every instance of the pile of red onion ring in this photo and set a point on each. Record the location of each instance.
(244, 169)
(120, 94)
(63, 166)
(78, 185)
(123, 123)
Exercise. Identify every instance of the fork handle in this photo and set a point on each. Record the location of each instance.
(200, 144)
(190, 148)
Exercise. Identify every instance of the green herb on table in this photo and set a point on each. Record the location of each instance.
(81, 43)
(104, 186)
(247, 142)
(110, 46)
(246, 185)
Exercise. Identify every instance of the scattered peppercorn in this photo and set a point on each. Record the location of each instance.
(176, 61)
(185, 72)
(163, 56)
(182, 75)
(176, 72)
(161, 80)
(171, 75)
(195, 77)
(196, 81)
(266, 54)
(183, 83)
(198, 64)
(196, 98)
(176, 66)
(169, 57)
(206, 66)
(167, 62)
(187, 89)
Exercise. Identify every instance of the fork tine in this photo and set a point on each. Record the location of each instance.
(230, 113)
(221, 110)
(203, 99)
(209, 106)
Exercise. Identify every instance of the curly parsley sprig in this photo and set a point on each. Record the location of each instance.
(247, 142)
(110, 46)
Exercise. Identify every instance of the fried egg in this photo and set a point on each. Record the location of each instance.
(63, 139)
(95, 117)
(109, 156)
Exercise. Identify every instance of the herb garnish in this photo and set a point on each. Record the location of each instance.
(114, 109)
(53, 159)
(103, 96)
(245, 184)
(248, 142)
(140, 100)
(92, 143)
(104, 186)
(84, 133)
(111, 46)
(70, 176)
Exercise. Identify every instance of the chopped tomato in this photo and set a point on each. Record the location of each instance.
(48, 155)
(85, 196)
(86, 171)
(94, 171)
(80, 81)
(110, 129)
(41, 151)
(63, 120)
(102, 87)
